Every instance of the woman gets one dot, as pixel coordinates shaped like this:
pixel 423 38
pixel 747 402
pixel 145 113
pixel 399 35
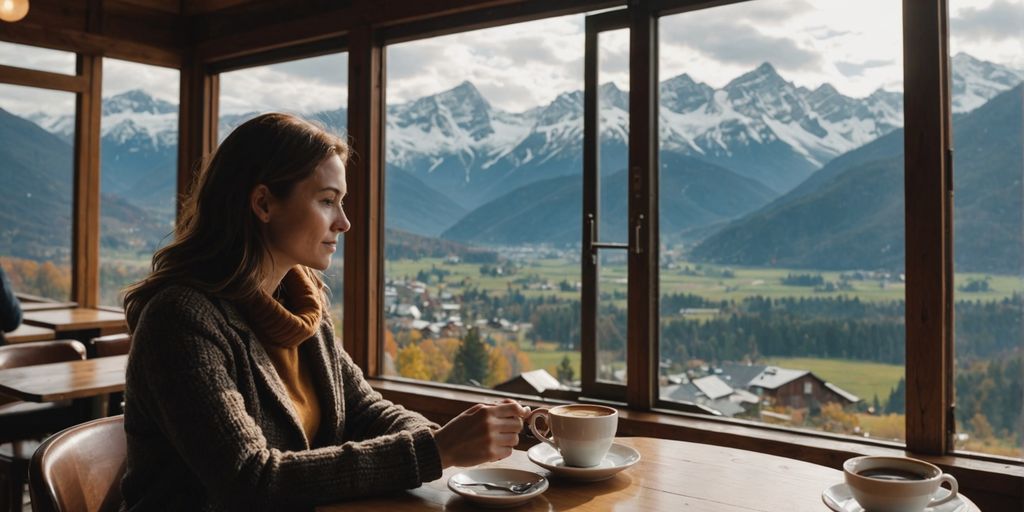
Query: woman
pixel 238 394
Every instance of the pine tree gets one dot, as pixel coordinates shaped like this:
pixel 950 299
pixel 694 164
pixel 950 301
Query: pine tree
pixel 897 398
pixel 565 372
pixel 470 360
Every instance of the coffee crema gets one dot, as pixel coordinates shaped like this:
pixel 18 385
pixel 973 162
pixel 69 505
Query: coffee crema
pixel 581 412
pixel 892 475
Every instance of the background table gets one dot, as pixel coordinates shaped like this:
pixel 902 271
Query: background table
pixel 77 319
pixel 43 306
pixel 92 379
pixel 25 333
pixel 671 476
pixel 82 324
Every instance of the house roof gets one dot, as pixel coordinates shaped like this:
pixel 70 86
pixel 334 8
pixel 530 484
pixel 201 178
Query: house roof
pixel 739 375
pixel 843 393
pixel 538 380
pixel 689 393
pixel 774 377
pixel 713 387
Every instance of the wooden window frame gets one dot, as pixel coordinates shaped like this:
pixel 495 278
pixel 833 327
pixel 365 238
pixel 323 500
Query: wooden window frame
pixel 929 342
pixel 927 169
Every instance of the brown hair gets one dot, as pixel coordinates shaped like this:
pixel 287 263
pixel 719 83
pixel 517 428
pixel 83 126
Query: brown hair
pixel 218 246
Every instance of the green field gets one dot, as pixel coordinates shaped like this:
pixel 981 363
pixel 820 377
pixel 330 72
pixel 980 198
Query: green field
pixel 742 282
pixel 862 378
pixel 550 359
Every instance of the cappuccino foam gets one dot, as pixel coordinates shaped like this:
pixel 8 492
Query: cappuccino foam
pixel 581 412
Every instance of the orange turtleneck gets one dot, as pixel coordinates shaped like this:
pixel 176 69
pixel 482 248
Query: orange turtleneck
pixel 282 327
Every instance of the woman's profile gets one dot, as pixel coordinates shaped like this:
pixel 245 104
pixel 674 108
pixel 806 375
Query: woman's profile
pixel 238 395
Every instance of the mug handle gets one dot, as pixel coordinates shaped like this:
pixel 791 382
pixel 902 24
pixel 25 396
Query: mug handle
pixel 532 422
pixel 953 488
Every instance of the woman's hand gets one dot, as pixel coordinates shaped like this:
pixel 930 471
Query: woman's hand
pixel 482 433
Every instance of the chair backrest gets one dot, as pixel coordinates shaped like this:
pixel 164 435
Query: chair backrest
pixel 38 352
pixel 79 469
pixel 112 345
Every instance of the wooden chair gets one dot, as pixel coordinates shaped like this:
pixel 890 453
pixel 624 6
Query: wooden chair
pixel 111 345
pixel 80 469
pixel 22 422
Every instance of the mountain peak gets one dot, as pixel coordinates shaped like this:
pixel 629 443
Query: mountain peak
pixel 136 101
pixel 465 92
pixel 609 94
pixel 763 76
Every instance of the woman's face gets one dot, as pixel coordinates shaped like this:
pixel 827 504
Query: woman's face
pixel 303 228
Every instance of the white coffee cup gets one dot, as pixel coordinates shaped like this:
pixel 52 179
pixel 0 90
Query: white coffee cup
pixel 582 433
pixel 896 484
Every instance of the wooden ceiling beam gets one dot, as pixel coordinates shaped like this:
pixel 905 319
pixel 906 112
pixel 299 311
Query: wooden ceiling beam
pixel 112 28
pixel 233 33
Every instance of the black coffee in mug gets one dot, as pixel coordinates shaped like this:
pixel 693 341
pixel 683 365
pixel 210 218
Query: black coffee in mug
pixel 892 474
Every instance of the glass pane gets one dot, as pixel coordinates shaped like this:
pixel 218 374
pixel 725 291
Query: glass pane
pixel 36 168
pixel 33 57
pixel 483 200
pixel 139 171
pixel 988 68
pixel 611 328
pixel 781 214
pixel 613 135
pixel 315 89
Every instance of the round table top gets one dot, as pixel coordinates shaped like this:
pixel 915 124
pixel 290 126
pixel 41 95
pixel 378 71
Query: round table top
pixel 671 476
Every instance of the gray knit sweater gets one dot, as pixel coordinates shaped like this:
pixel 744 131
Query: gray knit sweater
pixel 211 427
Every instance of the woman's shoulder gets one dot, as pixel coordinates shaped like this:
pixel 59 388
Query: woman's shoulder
pixel 178 304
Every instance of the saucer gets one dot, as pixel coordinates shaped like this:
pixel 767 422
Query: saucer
pixel 496 498
pixel 839 498
pixel 619 457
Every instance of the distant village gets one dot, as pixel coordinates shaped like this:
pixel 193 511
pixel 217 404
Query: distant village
pixel 732 389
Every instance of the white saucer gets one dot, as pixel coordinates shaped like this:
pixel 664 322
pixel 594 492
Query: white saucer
pixel 839 498
pixel 501 476
pixel 619 457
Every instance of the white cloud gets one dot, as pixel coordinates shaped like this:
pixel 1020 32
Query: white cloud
pixel 988 30
pixel 855 46
pixel 301 87
pixel 808 44
pixel 120 76
pixel 516 67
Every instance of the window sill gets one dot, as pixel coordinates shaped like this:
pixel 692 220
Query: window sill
pixel 992 485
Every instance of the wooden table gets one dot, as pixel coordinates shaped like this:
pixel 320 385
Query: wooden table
pixel 43 306
pixel 62 381
pixel 25 333
pixel 671 476
pixel 92 379
pixel 82 324
pixel 77 320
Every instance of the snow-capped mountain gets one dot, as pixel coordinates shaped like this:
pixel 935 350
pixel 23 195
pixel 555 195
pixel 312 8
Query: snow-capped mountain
pixel 977 81
pixel 131 117
pixel 759 125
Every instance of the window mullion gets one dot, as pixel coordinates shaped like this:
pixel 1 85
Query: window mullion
pixel 929 231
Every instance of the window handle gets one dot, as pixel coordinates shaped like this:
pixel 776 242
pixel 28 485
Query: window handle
pixel 637 246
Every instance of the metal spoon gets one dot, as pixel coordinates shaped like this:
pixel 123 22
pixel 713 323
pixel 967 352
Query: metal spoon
pixel 521 488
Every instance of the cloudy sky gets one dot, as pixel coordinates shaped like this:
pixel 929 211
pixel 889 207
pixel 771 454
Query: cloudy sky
pixel 855 46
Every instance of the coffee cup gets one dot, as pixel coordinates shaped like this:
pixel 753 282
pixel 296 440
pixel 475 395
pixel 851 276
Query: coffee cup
pixel 582 433
pixel 896 484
